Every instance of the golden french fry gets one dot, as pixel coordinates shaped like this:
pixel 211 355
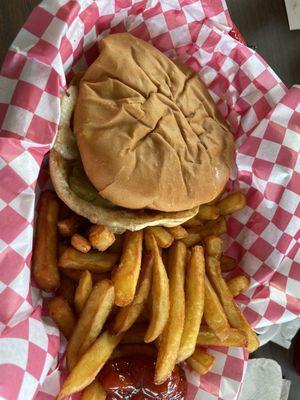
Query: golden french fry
pixel 83 290
pixel 213 246
pixel 163 238
pixel 68 226
pixel 93 392
pixel 66 289
pixel 201 361
pixel 194 303
pixel 127 350
pixel 172 333
pixel 178 232
pixel 214 314
pixel 238 284
pixel 89 365
pixel 100 237
pixel 195 221
pixel 80 243
pixel 135 334
pixel 208 212
pixel 75 275
pixel 127 315
pixel 126 276
pixel 232 203
pixel 62 314
pixel 216 227
pixel 233 313
pixel 94 261
pixel 44 260
pixel 227 263
pixel 160 302
pixel 236 338
pixel 93 312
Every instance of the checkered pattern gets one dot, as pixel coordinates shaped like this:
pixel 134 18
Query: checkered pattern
pixel 59 39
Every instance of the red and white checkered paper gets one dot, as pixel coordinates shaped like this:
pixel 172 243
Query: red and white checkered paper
pixel 60 38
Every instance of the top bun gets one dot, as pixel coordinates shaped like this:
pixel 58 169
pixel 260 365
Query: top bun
pixel 148 132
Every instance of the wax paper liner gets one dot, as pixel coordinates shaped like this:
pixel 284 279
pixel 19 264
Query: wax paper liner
pixel 60 38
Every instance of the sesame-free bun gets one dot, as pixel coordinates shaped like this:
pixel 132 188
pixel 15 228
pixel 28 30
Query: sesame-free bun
pixel 147 130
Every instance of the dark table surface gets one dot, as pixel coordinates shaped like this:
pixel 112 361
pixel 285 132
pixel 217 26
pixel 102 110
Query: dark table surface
pixel 264 24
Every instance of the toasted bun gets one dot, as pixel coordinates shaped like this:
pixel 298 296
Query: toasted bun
pixel 65 155
pixel 148 132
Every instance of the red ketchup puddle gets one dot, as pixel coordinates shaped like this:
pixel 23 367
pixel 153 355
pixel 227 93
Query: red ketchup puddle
pixel 127 378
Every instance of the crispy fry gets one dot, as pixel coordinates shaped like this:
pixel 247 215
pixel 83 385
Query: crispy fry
pixel 83 290
pixel 195 221
pixel 213 247
pixel 100 237
pixel 171 336
pixel 163 238
pixel 208 212
pixel 135 334
pixel 236 338
pixel 127 350
pixel 232 203
pixel 62 314
pixel 214 314
pixel 126 276
pixel 94 261
pixel 68 226
pixel 66 289
pixel 44 261
pixel 201 361
pixel 93 312
pixel 216 227
pixel 238 284
pixel 89 365
pixel 233 313
pixel 75 275
pixel 117 245
pixel 160 302
pixel 178 232
pixel 227 263
pixel 194 303
pixel 80 243
pixel 93 392
pixel 127 316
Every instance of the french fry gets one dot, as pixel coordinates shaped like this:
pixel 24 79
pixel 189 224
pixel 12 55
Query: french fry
pixel 89 365
pixel 195 221
pixel 127 315
pixel 83 290
pixel 208 212
pixel 194 303
pixel 80 243
pixel 95 312
pixel 93 392
pixel 94 261
pixel 233 313
pixel 62 314
pixel 236 338
pixel 135 334
pixel 160 302
pixel 75 275
pixel 216 227
pixel 214 314
pixel 227 263
pixel 127 350
pixel 66 289
pixel 232 203
pixel 178 232
pixel 201 361
pixel 238 284
pixel 100 237
pixel 117 245
pixel 68 226
pixel 172 333
pixel 163 238
pixel 44 261
pixel 126 276
pixel 61 248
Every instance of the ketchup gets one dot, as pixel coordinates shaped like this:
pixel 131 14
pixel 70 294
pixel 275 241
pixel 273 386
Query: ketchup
pixel 127 378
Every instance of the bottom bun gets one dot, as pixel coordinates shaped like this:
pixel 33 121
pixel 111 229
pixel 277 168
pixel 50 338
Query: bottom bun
pixel 118 219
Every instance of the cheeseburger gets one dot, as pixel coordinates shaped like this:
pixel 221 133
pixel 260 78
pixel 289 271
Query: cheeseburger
pixel 140 141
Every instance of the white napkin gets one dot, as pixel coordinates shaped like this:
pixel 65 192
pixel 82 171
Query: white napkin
pixel 293 12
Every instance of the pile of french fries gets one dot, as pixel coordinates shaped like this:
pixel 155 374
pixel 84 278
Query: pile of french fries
pixel 158 292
